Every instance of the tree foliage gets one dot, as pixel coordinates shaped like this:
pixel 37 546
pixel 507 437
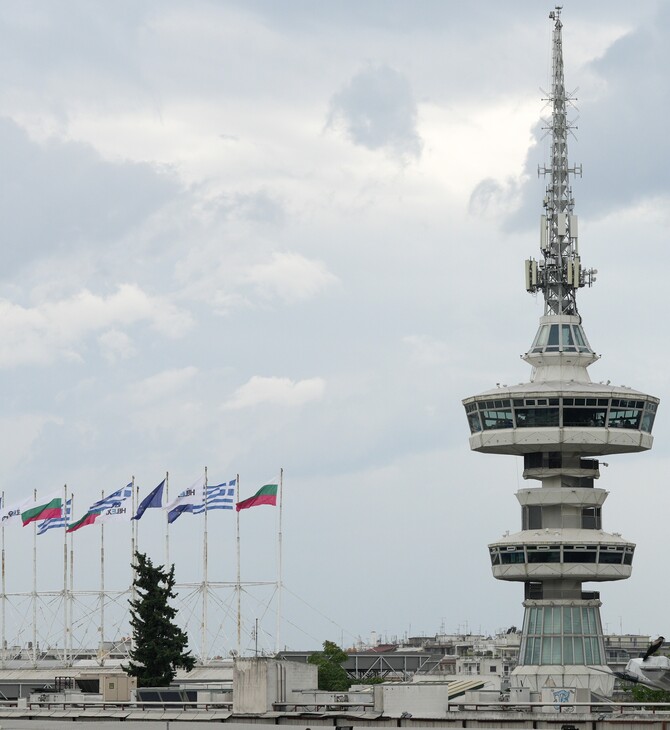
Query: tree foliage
pixel 333 676
pixel 159 645
pixel 641 693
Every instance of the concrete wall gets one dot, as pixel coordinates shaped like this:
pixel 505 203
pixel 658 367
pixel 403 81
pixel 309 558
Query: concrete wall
pixel 420 700
pixel 259 683
pixel 298 677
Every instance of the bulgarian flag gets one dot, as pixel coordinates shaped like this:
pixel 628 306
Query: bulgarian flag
pixel 88 519
pixel 107 508
pixel 45 509
pixel 267 494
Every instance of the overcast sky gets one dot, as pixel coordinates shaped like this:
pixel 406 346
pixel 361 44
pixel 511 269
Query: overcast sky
pixel 251 235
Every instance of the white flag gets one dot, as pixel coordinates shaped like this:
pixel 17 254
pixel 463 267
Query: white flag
pixel 12 515
pixel 189 500
pixel 117 510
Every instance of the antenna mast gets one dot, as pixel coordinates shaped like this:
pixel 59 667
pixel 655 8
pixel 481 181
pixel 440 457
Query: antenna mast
pixel 560 274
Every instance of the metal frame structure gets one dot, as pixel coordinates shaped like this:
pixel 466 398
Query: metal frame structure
pixel 69 623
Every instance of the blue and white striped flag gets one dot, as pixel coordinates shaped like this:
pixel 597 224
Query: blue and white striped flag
pixel 112 500
pixel 52 522
pixel 219 496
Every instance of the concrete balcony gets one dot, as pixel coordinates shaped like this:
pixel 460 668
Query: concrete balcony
pixel 553 554
pixel 591 441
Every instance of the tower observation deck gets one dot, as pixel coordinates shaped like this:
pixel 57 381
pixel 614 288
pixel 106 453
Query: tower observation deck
pixel 560 423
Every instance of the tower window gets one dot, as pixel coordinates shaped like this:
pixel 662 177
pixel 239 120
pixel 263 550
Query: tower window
pixel 542 554
pixel 624 418
pixel 561 635
pixel 473 421
pixel 591 518
pixel 533 592
pixel 513 556
pixel 536 417
pixel 579 554
pixel 585 417
pixel 647 422
pixel 494 419
pixel 610 555
pixel 531 518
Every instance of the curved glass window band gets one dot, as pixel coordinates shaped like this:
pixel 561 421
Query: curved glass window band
pixel 562 635
pixel 569 413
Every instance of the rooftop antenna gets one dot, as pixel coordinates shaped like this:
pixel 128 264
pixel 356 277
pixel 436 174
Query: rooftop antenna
pixel 560 274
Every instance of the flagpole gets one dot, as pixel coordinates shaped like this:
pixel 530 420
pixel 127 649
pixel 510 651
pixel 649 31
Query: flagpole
pixel 133 543
pixel 279 548
pixel 238 586
pixel 134 527
pixel 64 515
pixel 102 589
pixel 4 592
pixel 167 526
pixel 71 578
pixel 205 587
pixel 34 651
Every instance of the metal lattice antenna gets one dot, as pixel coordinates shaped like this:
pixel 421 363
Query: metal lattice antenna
pixel 560 274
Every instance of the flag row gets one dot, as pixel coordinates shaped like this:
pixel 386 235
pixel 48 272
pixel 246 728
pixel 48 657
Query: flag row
pixel 53 511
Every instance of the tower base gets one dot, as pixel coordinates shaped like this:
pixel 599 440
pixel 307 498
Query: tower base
pixel 599 680
pixel 562 645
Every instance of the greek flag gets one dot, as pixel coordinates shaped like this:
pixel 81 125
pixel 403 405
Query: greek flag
pixel 52 522
pixel 112 500
pixel 219 496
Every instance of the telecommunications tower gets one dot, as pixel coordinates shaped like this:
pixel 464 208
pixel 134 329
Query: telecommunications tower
pixel 560 423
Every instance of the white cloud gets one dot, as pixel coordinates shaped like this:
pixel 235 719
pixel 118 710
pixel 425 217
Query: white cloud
pixel 18 434
pixel 290 277
pixel 429 351
pixel 56 330
pixel 116 345
pixel 163 384
pixel 276 391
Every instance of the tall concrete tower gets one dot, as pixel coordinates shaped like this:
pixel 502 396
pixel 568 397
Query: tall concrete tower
pixel 560 423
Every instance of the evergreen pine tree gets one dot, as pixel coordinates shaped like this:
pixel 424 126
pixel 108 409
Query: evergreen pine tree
pixel 159 645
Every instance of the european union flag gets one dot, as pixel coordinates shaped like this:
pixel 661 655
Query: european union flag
pixel 153 499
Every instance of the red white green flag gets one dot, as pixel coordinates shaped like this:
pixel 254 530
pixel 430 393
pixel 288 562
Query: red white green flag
pixel 88 519
pixel 267 494
pixel 45 509
pixel 111 507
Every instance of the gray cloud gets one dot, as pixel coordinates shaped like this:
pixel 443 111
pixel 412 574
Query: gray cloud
pixel 492 198
pixel 626 145
pixel 621 137
pixel 259 207
pixel 377 110
pixel 70 49
pixel 61 195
